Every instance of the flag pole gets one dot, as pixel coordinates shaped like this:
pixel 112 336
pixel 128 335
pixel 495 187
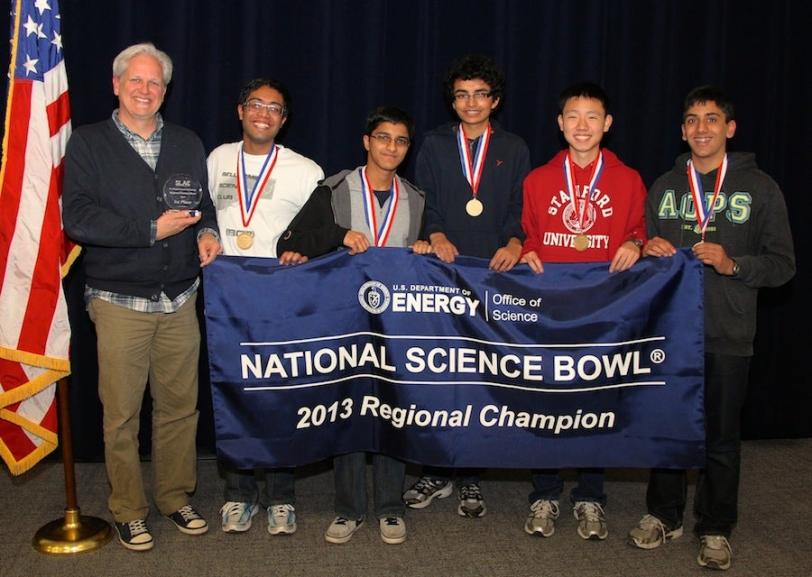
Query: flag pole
pixel 74 533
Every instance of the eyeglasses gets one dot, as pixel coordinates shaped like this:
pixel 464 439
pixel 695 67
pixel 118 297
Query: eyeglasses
pixel 386 139
pixel 256 106
pixel 479 95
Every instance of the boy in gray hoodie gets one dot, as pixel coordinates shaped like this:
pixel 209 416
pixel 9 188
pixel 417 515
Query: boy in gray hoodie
pixel 733 217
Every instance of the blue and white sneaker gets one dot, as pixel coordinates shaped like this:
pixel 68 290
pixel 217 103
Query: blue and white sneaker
pixel 281 519
pixel 237 516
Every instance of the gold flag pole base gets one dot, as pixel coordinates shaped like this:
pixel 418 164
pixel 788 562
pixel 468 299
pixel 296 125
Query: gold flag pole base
pixel 73 534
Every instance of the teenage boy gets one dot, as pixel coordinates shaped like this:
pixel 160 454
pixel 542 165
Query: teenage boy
pixel 257 187
pixel 733 217
pixel 338 215
pixel 584 205
pixel 472 172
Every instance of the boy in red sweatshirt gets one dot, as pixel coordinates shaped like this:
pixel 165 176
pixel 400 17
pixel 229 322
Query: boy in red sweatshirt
pixel 584 205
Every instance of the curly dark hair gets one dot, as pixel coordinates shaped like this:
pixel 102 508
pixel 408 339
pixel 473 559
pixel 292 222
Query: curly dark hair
pixel 473 66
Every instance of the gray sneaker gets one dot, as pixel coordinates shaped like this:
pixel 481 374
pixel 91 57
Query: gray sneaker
pixel 714 552
pixel 341 530
pixel 425 490
pixel 281 520
pixel 393 530
pixel 541 521
pixel 591 520
pixel 651 533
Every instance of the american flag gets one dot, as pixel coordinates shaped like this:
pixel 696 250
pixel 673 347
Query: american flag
pixel 34 253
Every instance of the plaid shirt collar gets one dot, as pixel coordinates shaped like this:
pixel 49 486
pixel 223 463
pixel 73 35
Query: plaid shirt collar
pixel 149 149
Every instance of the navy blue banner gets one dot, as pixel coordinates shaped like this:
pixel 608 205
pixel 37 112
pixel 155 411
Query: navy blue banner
pixel 456 365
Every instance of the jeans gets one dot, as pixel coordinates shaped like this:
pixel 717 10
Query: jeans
pixel 351 485
pixel 717 489
pixel 548 484
pixel 243 486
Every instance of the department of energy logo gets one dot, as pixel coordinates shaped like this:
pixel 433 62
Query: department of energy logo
pixel 374 297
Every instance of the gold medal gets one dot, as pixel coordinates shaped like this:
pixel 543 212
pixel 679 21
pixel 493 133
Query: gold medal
pixel 581 242
pixel 245 239
pixel 474 207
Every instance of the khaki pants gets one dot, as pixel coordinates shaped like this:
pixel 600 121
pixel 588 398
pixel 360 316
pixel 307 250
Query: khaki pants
pixel 134 346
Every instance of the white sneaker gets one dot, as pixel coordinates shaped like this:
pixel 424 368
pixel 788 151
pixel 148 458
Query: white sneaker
pixel 341 530
pixel 281 520
pixel 393 530
pixel 237 516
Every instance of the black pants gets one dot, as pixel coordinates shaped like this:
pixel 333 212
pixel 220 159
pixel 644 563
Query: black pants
pixel 717 491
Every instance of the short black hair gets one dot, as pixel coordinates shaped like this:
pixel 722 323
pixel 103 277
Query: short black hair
pixel 474 66
pixel 391 114
pixel 583 90
pixel 710 93
pixel 257 83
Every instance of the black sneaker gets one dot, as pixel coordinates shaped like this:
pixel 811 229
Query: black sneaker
pixel 135 535
pixel 471 502
pixel 188 521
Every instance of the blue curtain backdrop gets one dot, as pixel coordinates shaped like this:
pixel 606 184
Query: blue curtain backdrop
pixel 341 58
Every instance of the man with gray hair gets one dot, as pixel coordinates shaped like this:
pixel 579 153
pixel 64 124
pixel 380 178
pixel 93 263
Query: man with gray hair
pixel 133 197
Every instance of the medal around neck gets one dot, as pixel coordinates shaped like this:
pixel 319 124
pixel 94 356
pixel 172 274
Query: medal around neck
pixel 474 207
pixel 182 192
pixel 581 242
pixel 245 239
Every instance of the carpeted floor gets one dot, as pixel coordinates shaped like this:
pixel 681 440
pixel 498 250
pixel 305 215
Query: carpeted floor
pixel 770 541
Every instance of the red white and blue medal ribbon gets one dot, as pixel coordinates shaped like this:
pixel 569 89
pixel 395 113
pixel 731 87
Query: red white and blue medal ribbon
pixel 703 209
pixel 250 199
pixel 380 234
pixel 472 167
pixel 589 194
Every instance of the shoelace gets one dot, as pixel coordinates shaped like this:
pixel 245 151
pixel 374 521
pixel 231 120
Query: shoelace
pixel 544 508
pixel 593 511
pixel 392 521
pixel 649 522
pixel 715 542
pixel 424 483
pixel 281 511
pixel 137 527
pixel 236 508
pixel 470 493
pixel 341 521
pixel 188 513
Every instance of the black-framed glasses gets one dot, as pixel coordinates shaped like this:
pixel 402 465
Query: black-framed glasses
pixel 479 95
